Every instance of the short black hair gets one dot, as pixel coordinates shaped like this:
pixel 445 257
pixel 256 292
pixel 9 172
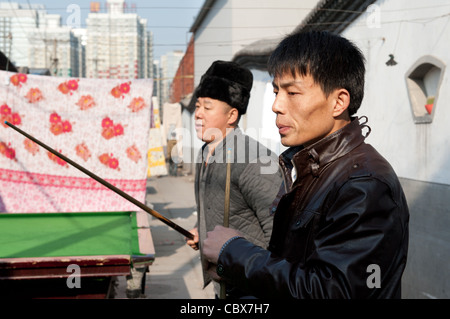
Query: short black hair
pixel 332 61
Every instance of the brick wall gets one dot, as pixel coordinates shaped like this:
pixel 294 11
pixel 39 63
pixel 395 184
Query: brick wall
pixel 183 83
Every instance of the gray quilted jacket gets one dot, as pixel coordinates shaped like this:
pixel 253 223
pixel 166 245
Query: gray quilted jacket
pixel 255 181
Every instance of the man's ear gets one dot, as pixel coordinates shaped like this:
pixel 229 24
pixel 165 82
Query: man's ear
pixel 342 101
pixel 233 117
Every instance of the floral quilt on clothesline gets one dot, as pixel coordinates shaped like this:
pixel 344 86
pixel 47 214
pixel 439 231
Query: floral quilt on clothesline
pixel 101 124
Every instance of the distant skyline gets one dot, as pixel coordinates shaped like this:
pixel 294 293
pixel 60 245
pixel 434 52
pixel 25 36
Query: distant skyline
pixel 168 20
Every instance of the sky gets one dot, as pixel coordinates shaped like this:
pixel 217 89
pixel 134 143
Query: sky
pixel 169 20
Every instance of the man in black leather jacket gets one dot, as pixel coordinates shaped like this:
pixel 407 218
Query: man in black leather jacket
pixel 341 225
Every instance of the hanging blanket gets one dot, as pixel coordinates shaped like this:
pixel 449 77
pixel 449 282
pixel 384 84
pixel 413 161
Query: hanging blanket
pixel 103 125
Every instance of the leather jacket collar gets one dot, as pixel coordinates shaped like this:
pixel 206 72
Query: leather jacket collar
pixel 309 160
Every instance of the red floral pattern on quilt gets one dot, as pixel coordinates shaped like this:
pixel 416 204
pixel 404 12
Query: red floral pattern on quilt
pixel 101 124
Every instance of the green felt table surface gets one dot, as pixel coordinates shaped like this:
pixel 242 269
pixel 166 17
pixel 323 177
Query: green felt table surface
pixel 68 234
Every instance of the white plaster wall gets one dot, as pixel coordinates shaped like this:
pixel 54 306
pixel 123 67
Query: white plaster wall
pixel 233 24
pixel 409 29
pixel 259 121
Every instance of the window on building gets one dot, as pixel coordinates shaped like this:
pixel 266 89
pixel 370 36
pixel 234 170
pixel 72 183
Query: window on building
pixel 423 82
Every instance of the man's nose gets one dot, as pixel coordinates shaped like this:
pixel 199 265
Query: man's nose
pixel 198 113
pixel 277 105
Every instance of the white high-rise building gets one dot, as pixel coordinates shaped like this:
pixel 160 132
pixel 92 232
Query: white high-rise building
pixel 50 46
pixel 169 67
pixel 78 52
pixel 118 44
pixel 115 44
pixel 32 38
pixel 15 25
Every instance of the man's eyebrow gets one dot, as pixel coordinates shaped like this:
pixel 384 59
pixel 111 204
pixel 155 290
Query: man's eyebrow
pixel 287 84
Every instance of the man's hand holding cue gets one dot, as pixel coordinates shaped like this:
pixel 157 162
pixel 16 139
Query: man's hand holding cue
pixel 194 241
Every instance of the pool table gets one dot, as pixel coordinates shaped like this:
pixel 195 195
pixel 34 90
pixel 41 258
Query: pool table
pixel 36 250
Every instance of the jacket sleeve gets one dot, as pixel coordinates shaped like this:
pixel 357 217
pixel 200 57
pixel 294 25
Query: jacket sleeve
pixel 259 186
pixel 361 227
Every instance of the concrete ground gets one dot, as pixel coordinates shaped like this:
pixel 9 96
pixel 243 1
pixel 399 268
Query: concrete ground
pixel 176 271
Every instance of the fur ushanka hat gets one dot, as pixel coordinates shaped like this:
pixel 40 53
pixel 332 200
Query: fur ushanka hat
pixel 228 82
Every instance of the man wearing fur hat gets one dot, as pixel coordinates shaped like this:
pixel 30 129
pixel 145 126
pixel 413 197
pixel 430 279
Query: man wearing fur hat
pixel 222 97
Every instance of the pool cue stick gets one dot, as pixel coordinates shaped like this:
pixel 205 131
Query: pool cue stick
pixel 226 215
pixel 107 184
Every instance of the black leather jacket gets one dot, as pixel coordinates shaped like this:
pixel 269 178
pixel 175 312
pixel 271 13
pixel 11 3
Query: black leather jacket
pixel 340 230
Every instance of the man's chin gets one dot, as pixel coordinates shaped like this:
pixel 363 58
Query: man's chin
pixel 203 138
pixel 199 135
pixel 285 141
